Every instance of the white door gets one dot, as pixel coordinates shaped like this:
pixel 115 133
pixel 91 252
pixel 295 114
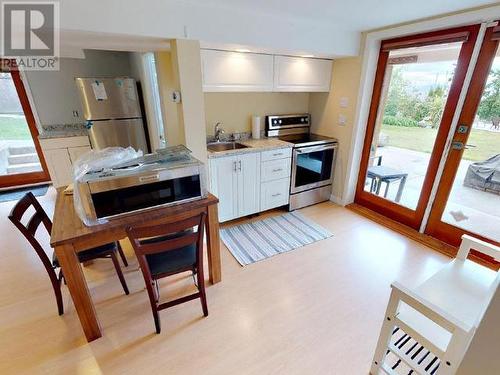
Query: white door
pixel 223 181
pixel 236 71
pixel 302 74
pixel 248 184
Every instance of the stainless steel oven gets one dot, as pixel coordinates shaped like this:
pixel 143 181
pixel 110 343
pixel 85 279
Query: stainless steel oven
pixel 312 167
pixel 313 158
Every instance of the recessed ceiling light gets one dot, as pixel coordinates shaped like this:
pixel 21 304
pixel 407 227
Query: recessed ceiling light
pixel 242 50
pixel 306 55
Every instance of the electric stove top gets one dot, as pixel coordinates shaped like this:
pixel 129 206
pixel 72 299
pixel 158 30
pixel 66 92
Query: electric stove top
pixel 307 139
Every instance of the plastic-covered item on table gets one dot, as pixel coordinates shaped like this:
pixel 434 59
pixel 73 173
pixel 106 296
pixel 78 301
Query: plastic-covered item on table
pixel 98 161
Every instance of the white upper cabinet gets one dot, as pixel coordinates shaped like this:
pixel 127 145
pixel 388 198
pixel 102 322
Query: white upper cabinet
pixel 244 72
pixel 302 74
pixel 235 71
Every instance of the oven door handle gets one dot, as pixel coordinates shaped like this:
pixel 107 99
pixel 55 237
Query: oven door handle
pixel 303 150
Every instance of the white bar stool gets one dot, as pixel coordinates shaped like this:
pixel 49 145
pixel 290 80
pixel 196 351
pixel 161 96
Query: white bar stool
pixel 427 330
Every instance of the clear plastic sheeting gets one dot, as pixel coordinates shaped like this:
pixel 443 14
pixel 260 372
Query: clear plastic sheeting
pixel 98 161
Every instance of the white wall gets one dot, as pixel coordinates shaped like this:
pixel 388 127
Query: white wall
pixel 54 92
pixel 209 22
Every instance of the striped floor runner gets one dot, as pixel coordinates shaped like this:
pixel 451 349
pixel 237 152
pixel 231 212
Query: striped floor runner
pixel 251 242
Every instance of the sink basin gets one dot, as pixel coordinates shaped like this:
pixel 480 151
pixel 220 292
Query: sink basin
pixel 224 146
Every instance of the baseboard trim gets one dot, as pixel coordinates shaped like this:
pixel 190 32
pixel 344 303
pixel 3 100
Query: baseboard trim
pixel 415 235
pixel 336 200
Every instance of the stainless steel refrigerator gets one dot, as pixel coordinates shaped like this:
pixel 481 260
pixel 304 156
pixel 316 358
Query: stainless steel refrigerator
pixel 112 112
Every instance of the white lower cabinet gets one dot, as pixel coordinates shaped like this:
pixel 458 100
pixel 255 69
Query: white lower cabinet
pixel 59 166
pixel 274 194
pixel 249 183
pixel 235 180
pixel 60 154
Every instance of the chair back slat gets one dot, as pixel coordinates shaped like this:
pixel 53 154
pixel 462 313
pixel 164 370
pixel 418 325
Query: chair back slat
pixel 145 231
pixel 168 244
pixel 167 237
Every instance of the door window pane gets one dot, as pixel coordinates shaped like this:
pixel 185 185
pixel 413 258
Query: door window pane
pixel 414 93
pixel 17 150
pixel 474 202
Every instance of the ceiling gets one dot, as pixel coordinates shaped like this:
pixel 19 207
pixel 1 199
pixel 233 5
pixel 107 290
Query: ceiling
pixel 324 28
pixel 355 15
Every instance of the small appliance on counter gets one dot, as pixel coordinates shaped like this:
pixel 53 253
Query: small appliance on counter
pixel 112 112
pixel 168 177
pixel 313 158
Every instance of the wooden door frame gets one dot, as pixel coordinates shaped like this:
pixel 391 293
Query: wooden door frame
pixel 397 212
pixel 435 227
pixel 19 179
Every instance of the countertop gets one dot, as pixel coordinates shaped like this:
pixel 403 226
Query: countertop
pixel 253 145
pixel 63 131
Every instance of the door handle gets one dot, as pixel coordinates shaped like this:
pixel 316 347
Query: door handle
pixel 234 166
pixel 239 165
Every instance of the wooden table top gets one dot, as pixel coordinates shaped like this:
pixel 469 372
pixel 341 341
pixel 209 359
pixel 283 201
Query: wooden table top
pixel 67 226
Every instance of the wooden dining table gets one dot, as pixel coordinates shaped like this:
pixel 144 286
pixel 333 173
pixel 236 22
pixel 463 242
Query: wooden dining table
pixel 70 236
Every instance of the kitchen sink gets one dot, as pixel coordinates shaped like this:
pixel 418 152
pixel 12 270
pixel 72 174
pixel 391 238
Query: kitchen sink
pixel 224 146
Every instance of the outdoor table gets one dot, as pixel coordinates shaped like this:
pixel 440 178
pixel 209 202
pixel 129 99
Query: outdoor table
pixel 379 174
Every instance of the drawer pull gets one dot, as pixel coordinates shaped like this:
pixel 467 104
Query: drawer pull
pixel 276 195
pixel 278 154
pixel 277 170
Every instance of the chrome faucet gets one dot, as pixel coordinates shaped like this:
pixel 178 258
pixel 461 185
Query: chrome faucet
pixel 218 131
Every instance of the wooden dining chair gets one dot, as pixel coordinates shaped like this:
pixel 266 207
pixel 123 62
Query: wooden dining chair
pixel 168 249
pixel 29 231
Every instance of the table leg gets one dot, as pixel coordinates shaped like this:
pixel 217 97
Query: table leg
pixel 79 291
pixel 379 184
pixel 213 244
pixel 386 189
pixel 400 189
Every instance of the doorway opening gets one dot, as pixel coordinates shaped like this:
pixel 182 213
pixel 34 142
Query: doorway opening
pixel 21 160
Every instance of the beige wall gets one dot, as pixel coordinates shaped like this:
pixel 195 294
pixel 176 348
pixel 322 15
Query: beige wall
pixel 168 82
pixel 180 70
pixel 187 61
pixel 325 111
pixel 235 110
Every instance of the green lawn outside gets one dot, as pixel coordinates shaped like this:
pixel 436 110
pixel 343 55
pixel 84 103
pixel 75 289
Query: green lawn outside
pixel 13 128
pixel 422 139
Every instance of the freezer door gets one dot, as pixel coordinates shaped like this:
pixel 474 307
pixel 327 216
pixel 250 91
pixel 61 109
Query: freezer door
pixel 108 98
pixel 121 133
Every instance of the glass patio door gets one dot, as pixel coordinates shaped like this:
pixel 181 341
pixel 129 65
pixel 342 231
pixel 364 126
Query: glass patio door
pixel 21 160
pixel 416 90
pixel 468 197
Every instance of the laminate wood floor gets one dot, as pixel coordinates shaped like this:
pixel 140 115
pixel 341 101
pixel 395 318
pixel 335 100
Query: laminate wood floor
pixel 314 310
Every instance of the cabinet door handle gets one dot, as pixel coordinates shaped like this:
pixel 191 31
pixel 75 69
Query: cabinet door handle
pixel 234 164
pixel 276 195
pixel 278 154
pixel 277 170
pixel 239 165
